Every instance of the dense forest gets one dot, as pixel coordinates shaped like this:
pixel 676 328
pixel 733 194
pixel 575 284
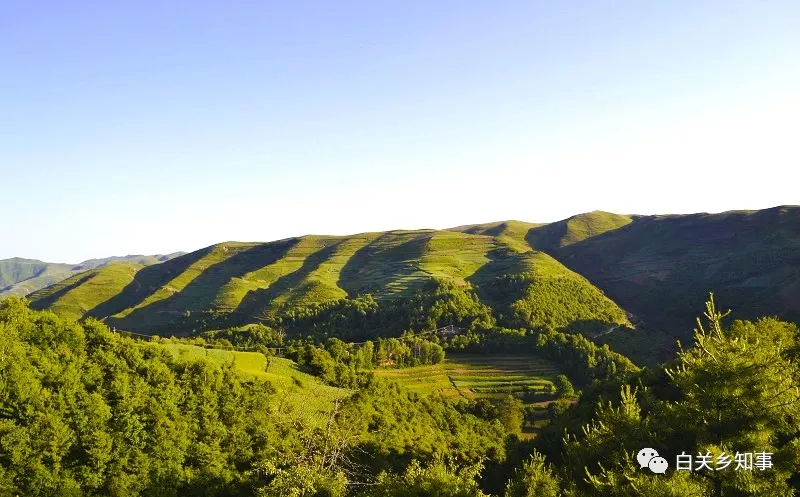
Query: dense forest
pixel 86 411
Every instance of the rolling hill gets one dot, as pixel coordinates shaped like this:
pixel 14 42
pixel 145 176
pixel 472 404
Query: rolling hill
pixel 24 276
pixel 243 281
pixel 591 272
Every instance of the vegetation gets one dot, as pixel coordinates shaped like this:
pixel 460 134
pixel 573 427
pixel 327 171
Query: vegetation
pixel 355 288
pixel 661 268
pixel 553 236
pixel 488 379
pixel 23 276
pixel 310 367
pixel 84 411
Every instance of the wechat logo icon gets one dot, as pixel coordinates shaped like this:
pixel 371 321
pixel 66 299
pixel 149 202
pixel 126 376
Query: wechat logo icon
pixel 649 458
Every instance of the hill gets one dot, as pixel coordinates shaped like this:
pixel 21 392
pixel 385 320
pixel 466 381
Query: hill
pixel 238 282
pixel 661 267
pixel 512 233
pixel 550 237
pixel 591 273
pixel 24 276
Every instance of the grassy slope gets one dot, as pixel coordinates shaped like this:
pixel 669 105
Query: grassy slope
pixel 78 294
pixel 251 279
pixel 305 394
pixel 476 376
pixel 24 276
pixel 512 233
pixel 15 271
pixel 553 236
pixel 548 295
pixel 483 377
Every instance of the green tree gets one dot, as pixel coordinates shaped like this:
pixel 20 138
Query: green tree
pixel 438 479
pixel 534 479
pixel 511 413
pixel 564 388
pixel 735 390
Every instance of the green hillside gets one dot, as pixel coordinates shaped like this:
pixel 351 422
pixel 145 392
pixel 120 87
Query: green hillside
pixel 24 276
pixel 492 377
pixel 242 282
pixel 534 289
pixel 585 273
pixel 306 396
pixel 513 233
pixel 550 237
pixel 17 271
pixel 75 296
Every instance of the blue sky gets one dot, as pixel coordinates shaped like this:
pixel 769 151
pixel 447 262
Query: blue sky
pixel 150 127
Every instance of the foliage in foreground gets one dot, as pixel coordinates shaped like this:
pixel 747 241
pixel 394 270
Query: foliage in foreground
pixel 86 412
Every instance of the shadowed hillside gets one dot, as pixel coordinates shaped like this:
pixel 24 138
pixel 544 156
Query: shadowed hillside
pixel 660 267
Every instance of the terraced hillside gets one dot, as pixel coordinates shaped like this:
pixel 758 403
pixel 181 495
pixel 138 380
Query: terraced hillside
pixel 479 376
pixel 584 272
pixel 24 276
pixel 251 280
pixel 528 378
pixel 513 233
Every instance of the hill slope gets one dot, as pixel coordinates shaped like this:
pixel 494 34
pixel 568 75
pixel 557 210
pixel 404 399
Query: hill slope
pixel 662 267
pixel 24 276
pixel 584 273
pixel 244 281
pixel 550 237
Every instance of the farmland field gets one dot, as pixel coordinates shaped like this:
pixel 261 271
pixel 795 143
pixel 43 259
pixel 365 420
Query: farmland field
pixel 526 377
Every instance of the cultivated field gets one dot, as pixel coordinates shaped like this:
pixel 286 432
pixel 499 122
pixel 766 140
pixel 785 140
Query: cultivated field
pixel 480 376
pixel 526 377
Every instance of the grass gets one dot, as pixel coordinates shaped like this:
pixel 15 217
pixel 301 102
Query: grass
pixel 575 229
pixel 203 265
pixel 78 294
pixel 513 234
pixel 300 392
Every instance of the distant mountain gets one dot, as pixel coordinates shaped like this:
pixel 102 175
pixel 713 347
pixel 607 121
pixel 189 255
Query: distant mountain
pixel 24 276
pixel 595 268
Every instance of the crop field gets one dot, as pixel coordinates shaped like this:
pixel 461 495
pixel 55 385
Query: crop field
pixel 527 377
pixel 301 393
pixel 478 376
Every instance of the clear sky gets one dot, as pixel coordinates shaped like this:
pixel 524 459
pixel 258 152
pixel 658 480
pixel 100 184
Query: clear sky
pixel 156 126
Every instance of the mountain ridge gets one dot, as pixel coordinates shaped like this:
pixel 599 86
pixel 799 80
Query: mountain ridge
pixel 629 266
